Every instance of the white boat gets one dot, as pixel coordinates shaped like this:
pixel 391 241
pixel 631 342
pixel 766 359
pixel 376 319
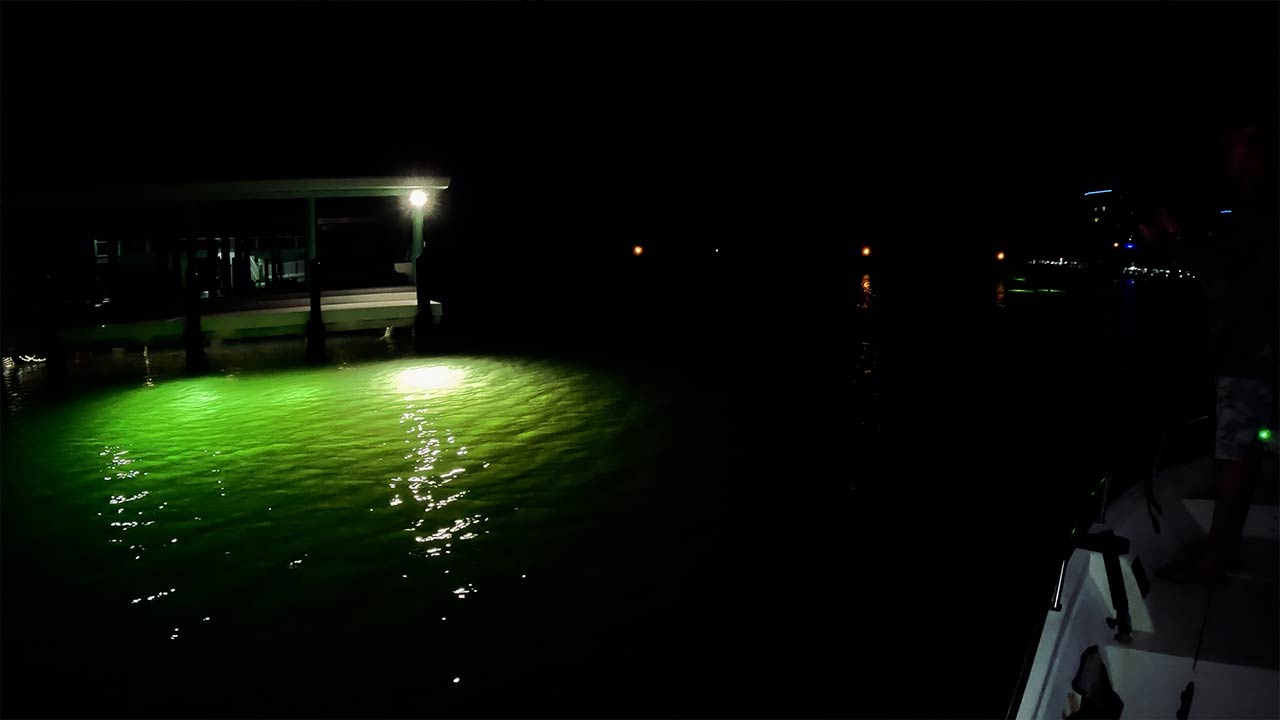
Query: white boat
pixel 1171 650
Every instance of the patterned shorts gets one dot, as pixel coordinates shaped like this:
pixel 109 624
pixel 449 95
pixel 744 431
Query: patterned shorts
pixel 1244 408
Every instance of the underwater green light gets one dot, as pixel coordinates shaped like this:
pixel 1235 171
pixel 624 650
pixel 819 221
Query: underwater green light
pixel 1264 434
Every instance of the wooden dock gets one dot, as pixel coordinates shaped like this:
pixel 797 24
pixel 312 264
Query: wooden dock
pixel 342 310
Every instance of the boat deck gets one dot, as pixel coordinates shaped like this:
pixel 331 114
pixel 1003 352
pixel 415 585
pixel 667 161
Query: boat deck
pixel 1223 638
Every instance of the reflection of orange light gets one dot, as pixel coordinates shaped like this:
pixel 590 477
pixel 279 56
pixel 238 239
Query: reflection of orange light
pixel 866 250
pixel 637 250
pixel 1000 255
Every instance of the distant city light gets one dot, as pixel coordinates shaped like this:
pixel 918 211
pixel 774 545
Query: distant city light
pixel 1060 261
pixel 1165 272
pixel 638 250
pixel 1264 434
pixel 1115 244
pixel 1097 192
pixel 866 250
pixel 1224 212
pixel 1000 255
pixel 417 198
pixel 1128 246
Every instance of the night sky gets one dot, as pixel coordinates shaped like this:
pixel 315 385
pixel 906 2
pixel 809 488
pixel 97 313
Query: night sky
pixel 573 131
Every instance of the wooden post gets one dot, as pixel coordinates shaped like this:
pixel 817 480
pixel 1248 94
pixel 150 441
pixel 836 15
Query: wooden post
pixel 192 334
pixel 416 250
pixel 224 267
pixel 422 320
pixel 315 321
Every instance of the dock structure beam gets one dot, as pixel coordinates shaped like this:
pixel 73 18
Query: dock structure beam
pixel 422 319
pixel 315 321
pixel 416 252
pixel 192 334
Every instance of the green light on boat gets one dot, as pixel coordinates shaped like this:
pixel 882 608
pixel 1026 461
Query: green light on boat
pixel 1264 434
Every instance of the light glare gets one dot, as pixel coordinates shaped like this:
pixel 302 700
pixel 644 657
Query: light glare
pixel 417 198
pixel 423 379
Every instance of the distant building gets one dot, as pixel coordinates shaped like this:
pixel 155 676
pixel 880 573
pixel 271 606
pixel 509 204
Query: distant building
pixel 1108 225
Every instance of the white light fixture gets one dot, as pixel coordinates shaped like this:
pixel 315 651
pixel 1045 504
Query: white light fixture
pixel 417 198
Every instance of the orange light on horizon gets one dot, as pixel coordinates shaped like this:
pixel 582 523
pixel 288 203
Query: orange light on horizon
pixel 866 250
pixel 1000 255
pixel 638 250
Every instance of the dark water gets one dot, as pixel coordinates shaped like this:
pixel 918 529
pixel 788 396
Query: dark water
pixel 860 523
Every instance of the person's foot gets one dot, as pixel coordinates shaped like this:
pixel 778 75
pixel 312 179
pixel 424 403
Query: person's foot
pixel 1200 568
pixel 1230 558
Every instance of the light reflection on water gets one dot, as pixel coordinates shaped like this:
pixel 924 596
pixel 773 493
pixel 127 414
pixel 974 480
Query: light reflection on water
pixel 864 286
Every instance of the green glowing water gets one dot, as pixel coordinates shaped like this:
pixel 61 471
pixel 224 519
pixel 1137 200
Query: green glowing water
pixel 212 542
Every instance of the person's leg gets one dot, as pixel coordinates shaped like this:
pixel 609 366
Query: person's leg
pixel 1241 410
pixel 1236 482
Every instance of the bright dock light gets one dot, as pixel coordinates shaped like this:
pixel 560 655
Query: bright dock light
pixel 417 198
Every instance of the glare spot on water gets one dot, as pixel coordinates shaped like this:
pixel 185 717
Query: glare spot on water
pixel 427 379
